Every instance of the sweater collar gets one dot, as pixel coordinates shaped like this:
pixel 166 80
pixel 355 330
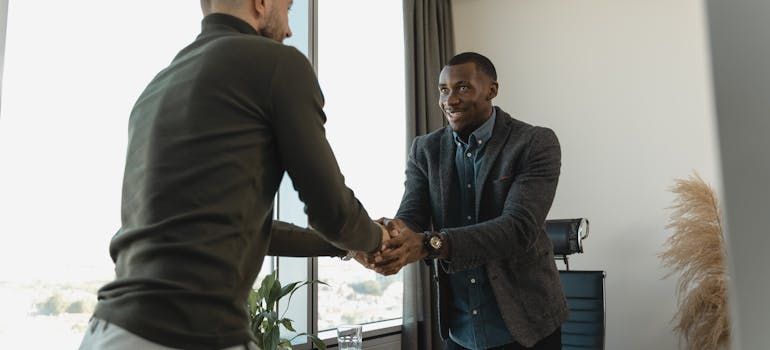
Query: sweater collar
pixel 221 19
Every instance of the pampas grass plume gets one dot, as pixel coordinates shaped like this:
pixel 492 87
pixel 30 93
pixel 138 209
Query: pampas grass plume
pixel 696 250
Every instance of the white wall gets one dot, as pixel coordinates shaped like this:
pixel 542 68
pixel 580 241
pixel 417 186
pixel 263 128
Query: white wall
pixel 739 33
pixel 626 86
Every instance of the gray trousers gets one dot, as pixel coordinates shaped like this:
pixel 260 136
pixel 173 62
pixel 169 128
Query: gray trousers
pixel 104 335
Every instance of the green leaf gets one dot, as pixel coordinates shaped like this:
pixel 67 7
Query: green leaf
pixel 290 288
pixel 256 323
pixel 287 324
pixel 266 290
pixel 317 342
pixel 274 295
pixel 271 338
pixel 294 289
pixel 263 314
pixel 285 344
pixel 252 302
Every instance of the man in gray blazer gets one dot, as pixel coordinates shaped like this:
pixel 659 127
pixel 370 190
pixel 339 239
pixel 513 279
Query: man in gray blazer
pixel 475 201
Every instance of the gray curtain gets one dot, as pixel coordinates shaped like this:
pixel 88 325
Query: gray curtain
pixel 429 41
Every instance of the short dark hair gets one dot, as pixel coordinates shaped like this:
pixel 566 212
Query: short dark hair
pixel 482 63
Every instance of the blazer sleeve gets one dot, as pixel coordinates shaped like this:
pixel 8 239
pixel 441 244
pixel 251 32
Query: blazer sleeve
pixel 415 208
pixel 298 119
pixel 291 240
pixel 519 227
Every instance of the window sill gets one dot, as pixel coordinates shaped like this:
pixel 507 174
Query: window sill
pixel 371 331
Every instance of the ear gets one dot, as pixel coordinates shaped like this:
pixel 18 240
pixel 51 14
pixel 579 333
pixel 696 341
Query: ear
pixel 492 93
pixel 260 7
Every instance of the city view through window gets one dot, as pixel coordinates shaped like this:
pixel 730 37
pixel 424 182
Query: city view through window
pixel 361 71
pixel 71 75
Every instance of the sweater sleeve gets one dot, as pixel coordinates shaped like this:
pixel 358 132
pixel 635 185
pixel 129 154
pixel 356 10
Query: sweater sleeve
pixel 298 125
pixel 292 240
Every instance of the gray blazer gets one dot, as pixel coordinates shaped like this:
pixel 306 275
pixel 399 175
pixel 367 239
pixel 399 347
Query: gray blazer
pixel 516 185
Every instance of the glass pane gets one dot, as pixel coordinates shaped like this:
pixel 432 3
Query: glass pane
pixel 62 148
pixel 361 71
pixel 72 73
pixel 289 207
pixel 299 22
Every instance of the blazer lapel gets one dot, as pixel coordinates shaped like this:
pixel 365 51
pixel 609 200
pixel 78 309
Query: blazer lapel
pixel 446 172
pixel 499 136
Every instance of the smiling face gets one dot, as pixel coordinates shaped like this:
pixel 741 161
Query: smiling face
pixel 465 97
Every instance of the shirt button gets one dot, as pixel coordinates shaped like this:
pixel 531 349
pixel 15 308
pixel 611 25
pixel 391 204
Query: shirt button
pixel 473 280
pixel 469 154
pixel 469 185
pixel 469 217
pixel 479 142
pixel 475 312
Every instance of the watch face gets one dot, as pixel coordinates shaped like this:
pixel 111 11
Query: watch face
pixel 435 242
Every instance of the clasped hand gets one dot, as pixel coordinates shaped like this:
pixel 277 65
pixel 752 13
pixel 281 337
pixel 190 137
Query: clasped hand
pixel 400 246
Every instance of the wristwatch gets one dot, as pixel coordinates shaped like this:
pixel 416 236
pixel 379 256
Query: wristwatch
pixel 433 242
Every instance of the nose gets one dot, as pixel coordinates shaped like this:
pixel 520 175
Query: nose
pixel 288 33
pixel 452 99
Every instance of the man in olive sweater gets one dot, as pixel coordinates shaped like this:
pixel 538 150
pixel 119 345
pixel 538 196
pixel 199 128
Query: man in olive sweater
pixel 209 141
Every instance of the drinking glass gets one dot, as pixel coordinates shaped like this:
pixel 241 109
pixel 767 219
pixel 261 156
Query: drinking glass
pixel 349 337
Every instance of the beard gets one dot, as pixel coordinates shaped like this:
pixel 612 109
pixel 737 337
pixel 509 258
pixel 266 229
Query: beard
pixel 273 29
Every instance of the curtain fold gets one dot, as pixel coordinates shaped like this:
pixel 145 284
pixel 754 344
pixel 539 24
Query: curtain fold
pixel 429 44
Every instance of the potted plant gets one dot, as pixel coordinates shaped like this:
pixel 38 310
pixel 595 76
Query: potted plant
pixel 262 307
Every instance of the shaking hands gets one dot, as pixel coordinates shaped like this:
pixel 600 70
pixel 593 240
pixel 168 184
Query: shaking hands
pixel 400 246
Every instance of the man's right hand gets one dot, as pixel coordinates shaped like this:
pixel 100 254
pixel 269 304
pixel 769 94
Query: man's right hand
pixel 394 226
pixel 367 259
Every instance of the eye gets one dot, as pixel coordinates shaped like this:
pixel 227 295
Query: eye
pixel 443 90
pixel 463 88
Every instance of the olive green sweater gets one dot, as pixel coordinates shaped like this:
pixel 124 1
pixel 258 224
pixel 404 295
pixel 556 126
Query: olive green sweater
pixel 209 141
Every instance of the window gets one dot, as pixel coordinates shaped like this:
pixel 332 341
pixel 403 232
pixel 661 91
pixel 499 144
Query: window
pixel 360 64
pixel 71 75
pixel 361 71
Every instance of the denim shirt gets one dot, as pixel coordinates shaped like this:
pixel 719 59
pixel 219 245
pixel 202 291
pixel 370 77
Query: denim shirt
pixel 476 322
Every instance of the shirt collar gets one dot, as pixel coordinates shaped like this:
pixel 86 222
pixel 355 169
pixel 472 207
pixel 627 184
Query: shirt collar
pixel 482 134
